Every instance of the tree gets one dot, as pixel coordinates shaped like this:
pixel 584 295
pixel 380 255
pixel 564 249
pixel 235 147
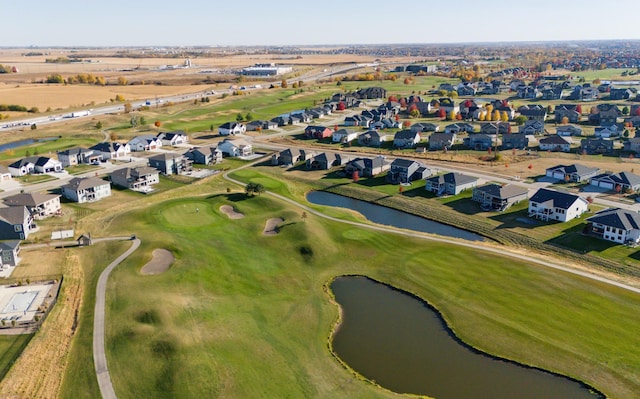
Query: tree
pixel 157 123
pixel 284 84
pixel 119 98
pixel 406 124
pixel 451 116
pixel 250 189
pixel 248 117
pixel 143 121
pixel 520 120
pixel 341 106
pixel 579 109
pixel 122 81
pixel 99 125
pixel 355 176
pixel 393 99
pixel 34 126
pixel 458 116
pixel 625 110
pixel 239 117
pixel 127 108
pixel 564 120
pixel 504 117
pixel 259 189
pixel 113 136
pixel 442 113
pixel 407 81
pixel 303 216
pixel 134 121
pixel 496 115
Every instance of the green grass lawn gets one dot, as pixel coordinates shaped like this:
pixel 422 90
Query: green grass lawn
pixel 245 315
pixel 33 179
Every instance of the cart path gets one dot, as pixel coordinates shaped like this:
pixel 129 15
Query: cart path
pixel 99 356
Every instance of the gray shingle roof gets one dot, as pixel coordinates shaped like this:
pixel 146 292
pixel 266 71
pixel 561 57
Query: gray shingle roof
pixel 554 198
pixel 618 218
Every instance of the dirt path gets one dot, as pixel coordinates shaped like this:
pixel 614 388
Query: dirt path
pixel 39 370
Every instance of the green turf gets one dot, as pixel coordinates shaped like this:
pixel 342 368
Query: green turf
pixel 244 315
pixel 11 347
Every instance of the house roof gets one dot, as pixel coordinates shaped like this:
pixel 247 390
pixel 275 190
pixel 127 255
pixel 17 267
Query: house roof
pixel 29 199
pixel 82 183
pixel 14 214
pixel 74 151
pixel 555 139
pixel 454 178
pixel 127 173
pixel 171 135
pixel 441 137
pixel 578 169
pixel 112 146
pixel 406 135
pixel 618 218
pixel 165 156
pixel 555 199
pixel 9 245
pixel 503 191
pixel 402 163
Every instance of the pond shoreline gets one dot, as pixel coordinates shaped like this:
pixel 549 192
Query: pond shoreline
pixel 447 328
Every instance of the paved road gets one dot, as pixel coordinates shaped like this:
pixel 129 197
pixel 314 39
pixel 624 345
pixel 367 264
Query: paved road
pixel 99 357
pixel 468 244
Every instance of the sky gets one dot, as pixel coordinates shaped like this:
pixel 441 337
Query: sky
pixel 44 23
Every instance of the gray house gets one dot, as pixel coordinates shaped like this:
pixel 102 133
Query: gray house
pixel 441 141
pixel 450 183
pixel 373 138
pixel 597 146
pixel 574 173
pixel 16 223
pixel 480 142
pixel 622 181
pixel 367 167
pixel 406 170
pixel 140 178
pixel 570 111
pixel 204 155
pixel 170 163
pixel 499 197
pixel 406 139
pixel 9 253
pixel 515 140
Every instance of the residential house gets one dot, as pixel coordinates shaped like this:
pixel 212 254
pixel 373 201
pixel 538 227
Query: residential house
pixel 632 145
pixel 633 120
pixel 173 138
pixel 597 146
pixel 450 183
pixel 584 93
pixel 344 136
pixel 5 174
pixel 16 223
pixel 495 128
pixel 499 197
pixel 146 142
pixel 112 150
pixel 552 93
pixel 204 155
pixel 9 253
pixel 619 182
pixel 528 92
pixel 423 127
pixel 424 107
pixel 548 204
pixel 231 129
pixel 235 147
pixel 606 132
pixel 617 225
pixel 367 167
pixel 326 160
pixel 533 112
pixel 604 115
pixel 620 94
pixel 448 105
pixel 480 142
pixel 571 111
pixel 575 173
pixel 404 171
pixel 35 164
pixel 171 163
pixel 568 130
pixel 303 117
pixel 458 128
pixel 373 138
pixel 554 144
pixel 406 139
pixel 515 140
pixel 41 206
pixel 532 127
pixel 371 93
pixel 466 90
pixel 86 189
pixel 287 157
pixel 441 141
pixel 140 178
pixel 317 132
pixel 78 155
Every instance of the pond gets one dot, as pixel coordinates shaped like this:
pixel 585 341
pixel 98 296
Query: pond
pixel 391 217
pixel 398 341
pixel 21 143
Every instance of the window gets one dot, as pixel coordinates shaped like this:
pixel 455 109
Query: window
pixel 17 227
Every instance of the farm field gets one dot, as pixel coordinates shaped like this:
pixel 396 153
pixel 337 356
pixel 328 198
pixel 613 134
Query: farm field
pixel 224 321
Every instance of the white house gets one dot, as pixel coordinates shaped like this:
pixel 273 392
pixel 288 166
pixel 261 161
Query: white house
pixel 548 204
pixel 5 174
pixel 86 189
pixel 231 129
pixel 35 164
pixel 78 155
pixel 173 138
pixel 555 143
pixel 112 150
pixel 343 136
pixel 235 147
pixel 617 225
pixel 146 142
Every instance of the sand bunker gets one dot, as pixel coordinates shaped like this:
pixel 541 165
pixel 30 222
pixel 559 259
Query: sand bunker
pixel 230 212
pixel 271 227
pixel 159 263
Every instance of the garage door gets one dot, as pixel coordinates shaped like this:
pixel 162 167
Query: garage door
pixel 607 185
pixel 558 175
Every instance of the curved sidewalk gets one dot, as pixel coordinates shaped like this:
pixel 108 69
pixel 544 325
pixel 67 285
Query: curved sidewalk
pixel 99 357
